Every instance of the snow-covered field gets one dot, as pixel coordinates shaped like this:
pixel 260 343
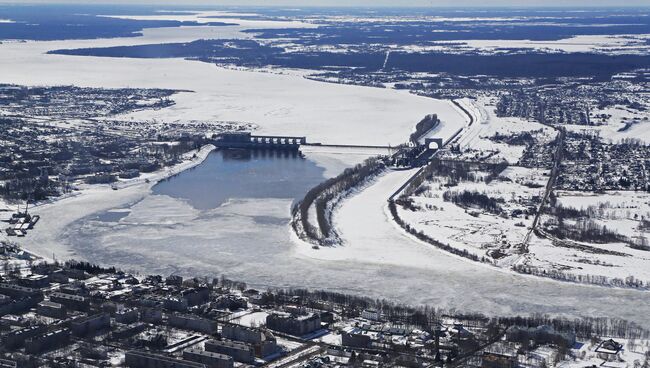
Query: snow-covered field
pixel 277 103
pixel 622 212
pixel 450 224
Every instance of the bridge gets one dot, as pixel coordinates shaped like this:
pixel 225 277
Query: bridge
pixel 247 140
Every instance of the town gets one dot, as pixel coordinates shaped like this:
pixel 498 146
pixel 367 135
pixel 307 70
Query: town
pixel 79 314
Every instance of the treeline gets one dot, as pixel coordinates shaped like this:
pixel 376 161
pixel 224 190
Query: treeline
pixel 586 230
pixel 91 268
pixel 473 199
pixel 324 197
pixel 32 188
pixel 427 239
pixel 427 317
pixel 582 327
pixel 429 122
pixel 628 282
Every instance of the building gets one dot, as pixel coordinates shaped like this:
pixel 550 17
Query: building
pixel 6 363
pixel 51 309
pixel 355 337
pixel 194 323
pixel 18 305
pixel 87 325
pixel 494 360
pixel 18 291
pixel 196 296
pixel 263 342
pixel 174 280
pixel 125 331
pixel 297 325
pixel 47 341
pixel 371 314
pixel 151 315
pixel 141 359
pixel 239 351
pixel 34 281
pixel 74 302
pixel 126 316
pixel 212 360
pixel 17 338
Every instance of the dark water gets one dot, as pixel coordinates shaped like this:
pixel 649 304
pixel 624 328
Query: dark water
pixel 233 174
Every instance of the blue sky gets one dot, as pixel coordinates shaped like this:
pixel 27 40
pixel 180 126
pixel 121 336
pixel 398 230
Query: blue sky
pixel 421 3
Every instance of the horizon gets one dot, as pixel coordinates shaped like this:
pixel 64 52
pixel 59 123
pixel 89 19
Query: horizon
pixel 387 4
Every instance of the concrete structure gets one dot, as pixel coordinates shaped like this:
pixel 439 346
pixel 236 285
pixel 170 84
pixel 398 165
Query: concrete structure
pixel 371 314
pixel 355 338
pixel 141 359
pixel 126 331
pixel 126 316
pixel 6 363
pixel 74 302
pixel 34 281
pixel 246 140
pixel 151 315
pixel 196 296
pixel 194 323
pixel 297 325
pixel 239 351
pixel 263 342
pixel 47 341
pixel 212 360
pixel 51 309
pixel 88 325
pixel 17 290
pixel 16 339
pixel 433 143
pixel 174 280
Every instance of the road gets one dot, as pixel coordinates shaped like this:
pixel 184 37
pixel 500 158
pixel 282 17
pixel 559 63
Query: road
pixel 549 186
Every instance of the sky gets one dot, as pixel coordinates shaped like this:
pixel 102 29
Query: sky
pixel 370 3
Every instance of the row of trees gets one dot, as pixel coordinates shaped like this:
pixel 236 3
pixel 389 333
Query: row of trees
pixel 429 122
pixel 586 230
pixel 325 196
pixel 628 282
pixel 428 317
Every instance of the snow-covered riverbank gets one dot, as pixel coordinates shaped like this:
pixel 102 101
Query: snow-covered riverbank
pixel 60 213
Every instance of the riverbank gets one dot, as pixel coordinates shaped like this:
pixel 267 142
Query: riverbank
pixel 59 213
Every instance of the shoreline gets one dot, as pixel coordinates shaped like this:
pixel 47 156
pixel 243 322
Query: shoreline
pixel 90 199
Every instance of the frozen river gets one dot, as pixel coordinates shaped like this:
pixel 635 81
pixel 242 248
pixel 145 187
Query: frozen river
pixel 230 216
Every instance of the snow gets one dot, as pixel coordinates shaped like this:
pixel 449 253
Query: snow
pixel 165 235
pixel 65 211
pixel 279 104
pixel 610 44
pixel 453 225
